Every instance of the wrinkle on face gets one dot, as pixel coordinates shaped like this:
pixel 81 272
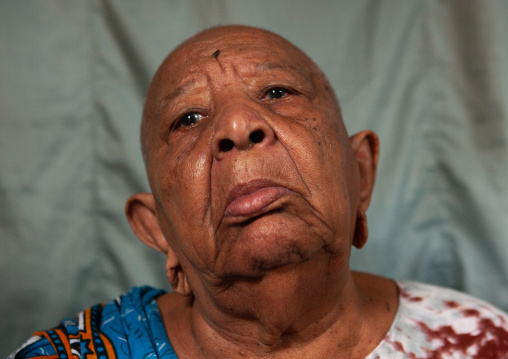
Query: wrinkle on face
pixel 225 75
pixel 215 55
pixel 297 72
pixel 209 38
pixel 250 265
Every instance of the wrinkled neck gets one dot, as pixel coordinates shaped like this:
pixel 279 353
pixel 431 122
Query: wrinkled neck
pixel 279 314
pixel 351 328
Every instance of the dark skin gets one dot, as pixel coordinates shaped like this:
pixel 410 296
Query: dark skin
pixel 257 196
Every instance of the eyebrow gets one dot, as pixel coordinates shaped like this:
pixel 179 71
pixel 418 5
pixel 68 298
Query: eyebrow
pixel 179 91
pixel 263 66
pixel 294 70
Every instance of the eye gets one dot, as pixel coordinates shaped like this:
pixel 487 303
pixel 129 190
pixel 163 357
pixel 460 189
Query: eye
pixel 276 93
pixel 188 119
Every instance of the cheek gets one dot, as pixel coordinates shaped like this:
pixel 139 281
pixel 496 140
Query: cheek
pixel 316 148
pixel 318 153
pixel 185 199
pixel 184 185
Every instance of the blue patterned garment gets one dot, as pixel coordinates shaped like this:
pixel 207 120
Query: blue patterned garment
pixel 128 327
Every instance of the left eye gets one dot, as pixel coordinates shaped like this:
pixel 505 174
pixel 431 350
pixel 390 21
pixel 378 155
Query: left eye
pixel 188 119
pixel 276 93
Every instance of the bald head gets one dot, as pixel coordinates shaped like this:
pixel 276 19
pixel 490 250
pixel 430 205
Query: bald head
pixel 249 162
pixel 215 43
pixel 258 193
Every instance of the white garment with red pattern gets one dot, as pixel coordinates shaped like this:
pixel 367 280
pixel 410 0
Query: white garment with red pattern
pixel 434 322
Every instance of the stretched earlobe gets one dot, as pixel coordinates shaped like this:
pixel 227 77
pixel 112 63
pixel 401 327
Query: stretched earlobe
pixel 176 275
pixel 141 213
pixel 365 146
pixel 361 230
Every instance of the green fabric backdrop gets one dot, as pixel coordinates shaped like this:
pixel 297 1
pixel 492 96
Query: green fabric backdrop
pixel 430 77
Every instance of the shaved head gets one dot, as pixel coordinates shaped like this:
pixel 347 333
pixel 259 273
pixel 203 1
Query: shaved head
pixel 182 54
pixel 251 170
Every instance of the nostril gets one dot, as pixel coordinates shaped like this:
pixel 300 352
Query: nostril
pixel 226 145
pixel 257 136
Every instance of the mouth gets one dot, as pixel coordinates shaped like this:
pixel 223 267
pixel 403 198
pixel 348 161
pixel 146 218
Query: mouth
pixel 253 198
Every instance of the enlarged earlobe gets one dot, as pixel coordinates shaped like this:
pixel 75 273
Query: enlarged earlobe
pixel 365 146
pixel 361 230
pixel 140 211
pixel 176 275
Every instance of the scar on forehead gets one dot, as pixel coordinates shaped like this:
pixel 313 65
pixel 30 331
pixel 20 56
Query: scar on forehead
pixel 215 55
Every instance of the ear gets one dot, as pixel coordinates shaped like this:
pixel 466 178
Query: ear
pixel 361 230
pixel 365 146
pixel 140 212
pixel 176 275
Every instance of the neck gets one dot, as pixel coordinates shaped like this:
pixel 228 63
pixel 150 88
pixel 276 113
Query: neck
pixel 351 328
pixel 285 314
pixel 282 321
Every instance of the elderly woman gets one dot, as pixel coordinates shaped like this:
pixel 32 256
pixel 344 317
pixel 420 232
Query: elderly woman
pixel 257 196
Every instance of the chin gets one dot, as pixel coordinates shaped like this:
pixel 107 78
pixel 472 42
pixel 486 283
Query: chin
pixel 267 244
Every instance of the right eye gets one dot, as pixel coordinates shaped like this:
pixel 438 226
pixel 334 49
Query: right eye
pixel 188 119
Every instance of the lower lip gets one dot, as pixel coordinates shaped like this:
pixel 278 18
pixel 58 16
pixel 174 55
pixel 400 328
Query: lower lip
pixel 254 203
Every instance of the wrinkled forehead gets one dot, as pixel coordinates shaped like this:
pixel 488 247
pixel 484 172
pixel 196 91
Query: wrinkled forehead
pixel 259 53
pixel 252 48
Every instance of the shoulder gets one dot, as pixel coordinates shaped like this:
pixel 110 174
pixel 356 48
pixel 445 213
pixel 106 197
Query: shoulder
pixel 442 322
pixel 100 329
pixel 433 304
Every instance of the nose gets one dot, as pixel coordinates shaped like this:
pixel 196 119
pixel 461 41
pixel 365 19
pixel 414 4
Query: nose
pixel 240 127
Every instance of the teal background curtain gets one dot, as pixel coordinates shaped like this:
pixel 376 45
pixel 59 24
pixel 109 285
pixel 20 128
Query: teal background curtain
pixel 430 77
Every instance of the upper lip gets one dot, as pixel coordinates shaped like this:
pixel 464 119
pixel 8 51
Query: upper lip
pixel 247 188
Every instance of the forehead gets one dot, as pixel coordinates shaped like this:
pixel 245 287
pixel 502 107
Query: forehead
pixel 246 51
